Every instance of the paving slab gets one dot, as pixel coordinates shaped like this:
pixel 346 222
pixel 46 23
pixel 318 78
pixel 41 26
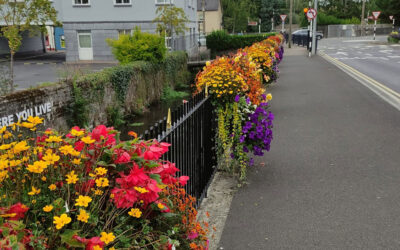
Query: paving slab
pixel 332 177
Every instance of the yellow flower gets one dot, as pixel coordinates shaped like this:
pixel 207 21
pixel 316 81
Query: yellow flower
pixel 51 158
pixel 160 206
pixel 33 201
pixel 208 63
pixel 100 171
pixel 20 146
pixel 76 132
pixel 107 237
pixel 48 208
pixel 52 187
pixel 54 138
pixel 97 247
pixel 135 212
pixel 37 167
pixel 34 191
pixel 269 97
pixel 83 201
pixel 61 221
pixel 102 182
pixel 72 178
pixel 87 140
pixel 111 248
pixel 141 190
pixel 43 178
pixel 68 149
pixel 35 120
pixel 83 216
pixel 76 161
pixel 98 192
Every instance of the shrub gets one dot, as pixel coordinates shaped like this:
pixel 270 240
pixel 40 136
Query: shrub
pixel 138 47
pixel 221 41
pixel 394 37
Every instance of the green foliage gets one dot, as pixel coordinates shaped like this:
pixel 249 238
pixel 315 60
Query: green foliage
pixel 4 82
pixel 394 37
pixel 78 111
pixel 138 47
pixel 115 116
pixel 221 41
pixel 236 14
pixel 171 20
pixel 269 9
pixel 324 19
pixel 175 66
pixel 169 94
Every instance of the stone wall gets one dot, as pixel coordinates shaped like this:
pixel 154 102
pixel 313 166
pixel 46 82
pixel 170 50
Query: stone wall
pixel 48 102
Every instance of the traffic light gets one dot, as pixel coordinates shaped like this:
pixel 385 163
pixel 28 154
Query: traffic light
pixel 305 10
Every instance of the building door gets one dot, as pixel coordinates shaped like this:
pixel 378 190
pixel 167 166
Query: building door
pixel 85 45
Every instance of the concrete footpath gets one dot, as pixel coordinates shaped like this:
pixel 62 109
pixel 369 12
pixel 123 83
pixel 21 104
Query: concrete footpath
pixel 332 177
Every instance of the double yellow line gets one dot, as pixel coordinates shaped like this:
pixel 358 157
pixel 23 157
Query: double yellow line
pixel 360 75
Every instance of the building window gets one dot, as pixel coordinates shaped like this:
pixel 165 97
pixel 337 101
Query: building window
pixel 164 2
pixel 124 32
pixel 81 2
pixel 122 2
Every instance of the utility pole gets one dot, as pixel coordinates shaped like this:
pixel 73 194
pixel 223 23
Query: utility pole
pixel 314 35
pixel 290 23
pixel 363 19
pixel 273 21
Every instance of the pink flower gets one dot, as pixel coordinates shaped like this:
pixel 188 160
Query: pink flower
pixel 192 235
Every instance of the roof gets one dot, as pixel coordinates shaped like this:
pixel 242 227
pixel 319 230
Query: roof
pixel 211 5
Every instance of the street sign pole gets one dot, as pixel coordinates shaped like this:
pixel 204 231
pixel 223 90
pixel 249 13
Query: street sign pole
pixel 283 26
pixel 314 37
pixel 375 14
pixel 309 32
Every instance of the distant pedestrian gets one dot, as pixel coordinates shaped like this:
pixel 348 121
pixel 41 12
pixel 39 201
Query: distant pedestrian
pixel 286 35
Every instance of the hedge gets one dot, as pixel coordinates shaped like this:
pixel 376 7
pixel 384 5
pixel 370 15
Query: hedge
pixel 221 41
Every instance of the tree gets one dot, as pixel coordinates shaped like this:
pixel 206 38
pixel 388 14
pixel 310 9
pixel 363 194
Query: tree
pixel 171 20
pixel 270 9
pixel 18 16
pixel 237 13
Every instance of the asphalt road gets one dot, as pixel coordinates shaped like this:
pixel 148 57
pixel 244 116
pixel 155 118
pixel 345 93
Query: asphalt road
pixel 332 177
pixel 376 59
pixel 35 70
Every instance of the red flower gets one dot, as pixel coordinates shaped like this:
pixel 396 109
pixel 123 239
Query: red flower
pixel 183 180
pixel 18 209
pixel 124 198
pixel 90 243
pixel 79 145
pixel 123 158
pixel 135 177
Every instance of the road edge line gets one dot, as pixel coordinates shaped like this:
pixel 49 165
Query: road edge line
pixel 387 94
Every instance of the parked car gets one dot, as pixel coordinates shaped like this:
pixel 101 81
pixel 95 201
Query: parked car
pixel 304 32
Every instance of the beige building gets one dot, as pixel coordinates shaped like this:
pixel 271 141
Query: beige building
pixel 213 15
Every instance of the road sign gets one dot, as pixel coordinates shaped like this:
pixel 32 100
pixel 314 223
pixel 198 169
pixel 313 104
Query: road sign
pixel 283 17
pixel 391 17
pixel 376 14
pixel 311 13
pixel 252 23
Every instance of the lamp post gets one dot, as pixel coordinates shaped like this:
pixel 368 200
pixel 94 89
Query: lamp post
pixel 362 19
pixel 290 23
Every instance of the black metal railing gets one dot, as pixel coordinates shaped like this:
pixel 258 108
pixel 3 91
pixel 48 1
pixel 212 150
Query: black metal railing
pixel 192 139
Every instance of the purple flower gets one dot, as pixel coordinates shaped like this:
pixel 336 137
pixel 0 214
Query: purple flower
pixel 248 101
pixel 241 139
pixel 237 98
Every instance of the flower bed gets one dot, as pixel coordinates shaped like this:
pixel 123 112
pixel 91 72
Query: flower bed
pixel 237 84
pixel 89 190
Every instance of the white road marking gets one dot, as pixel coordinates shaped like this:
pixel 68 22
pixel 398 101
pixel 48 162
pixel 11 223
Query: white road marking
pixel 387 51
pixel 342 53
